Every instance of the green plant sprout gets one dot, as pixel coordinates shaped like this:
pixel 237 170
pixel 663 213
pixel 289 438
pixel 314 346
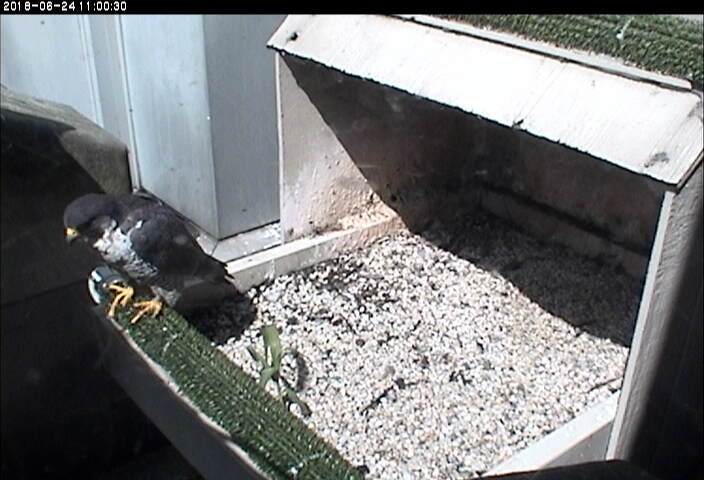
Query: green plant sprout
pixel 271 365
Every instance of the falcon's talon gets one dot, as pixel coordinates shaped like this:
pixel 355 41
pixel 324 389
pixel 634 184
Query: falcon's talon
pixel 152 306
pixel 122 297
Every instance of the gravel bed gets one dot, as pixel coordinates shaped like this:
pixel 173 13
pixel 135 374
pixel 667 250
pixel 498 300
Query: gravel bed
pixel 441 354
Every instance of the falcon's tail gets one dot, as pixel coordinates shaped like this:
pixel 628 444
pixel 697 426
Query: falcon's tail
pixel 212 284
pixel 213 270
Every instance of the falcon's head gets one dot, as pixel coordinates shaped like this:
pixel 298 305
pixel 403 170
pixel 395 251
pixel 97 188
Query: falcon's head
pixel 88 217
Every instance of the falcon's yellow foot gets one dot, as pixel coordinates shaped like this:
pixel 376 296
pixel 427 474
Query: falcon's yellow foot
pixel 152 306
pixel 122 297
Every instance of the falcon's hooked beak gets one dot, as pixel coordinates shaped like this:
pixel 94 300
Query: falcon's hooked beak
pixel 71 234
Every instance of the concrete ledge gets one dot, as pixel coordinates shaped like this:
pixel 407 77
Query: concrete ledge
pixel 53 130
pixel 62 416
pixel 50 155
pixel 203 443
pixel 583 439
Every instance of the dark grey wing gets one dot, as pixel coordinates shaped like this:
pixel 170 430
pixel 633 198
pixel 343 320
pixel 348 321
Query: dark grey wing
pixel 162 239
pixel 145 200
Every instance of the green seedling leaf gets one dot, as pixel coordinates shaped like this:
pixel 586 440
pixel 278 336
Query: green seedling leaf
pixel 272 343
pixel 267 374
pixel 270 364
pixel 291 397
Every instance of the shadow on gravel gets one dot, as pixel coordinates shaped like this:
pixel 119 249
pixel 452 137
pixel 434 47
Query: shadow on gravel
pixel 599 299
pixel 224 321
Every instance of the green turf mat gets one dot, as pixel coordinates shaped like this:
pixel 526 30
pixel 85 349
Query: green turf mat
pixel 278 442
pixel 660 43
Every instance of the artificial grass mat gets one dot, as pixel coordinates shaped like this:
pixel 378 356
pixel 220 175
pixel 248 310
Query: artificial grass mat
pixel 279 443
pixel 660 43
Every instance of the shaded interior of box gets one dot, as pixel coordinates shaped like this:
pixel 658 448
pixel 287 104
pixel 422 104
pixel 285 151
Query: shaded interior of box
pixel 432 162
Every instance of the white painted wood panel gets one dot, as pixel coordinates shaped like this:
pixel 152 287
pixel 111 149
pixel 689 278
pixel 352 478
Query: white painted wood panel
pixel 660 313
pixel 640 126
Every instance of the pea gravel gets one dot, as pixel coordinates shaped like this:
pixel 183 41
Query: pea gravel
pixel 441 354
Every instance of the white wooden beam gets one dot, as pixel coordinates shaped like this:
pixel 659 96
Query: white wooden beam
pixel 660 312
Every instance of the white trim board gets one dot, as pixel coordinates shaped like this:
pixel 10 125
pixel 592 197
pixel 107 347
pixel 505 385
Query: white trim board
pixel 582 439
pixel 296 255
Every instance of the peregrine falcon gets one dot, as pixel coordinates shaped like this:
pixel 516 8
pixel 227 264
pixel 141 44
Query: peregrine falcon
pixel 147 242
